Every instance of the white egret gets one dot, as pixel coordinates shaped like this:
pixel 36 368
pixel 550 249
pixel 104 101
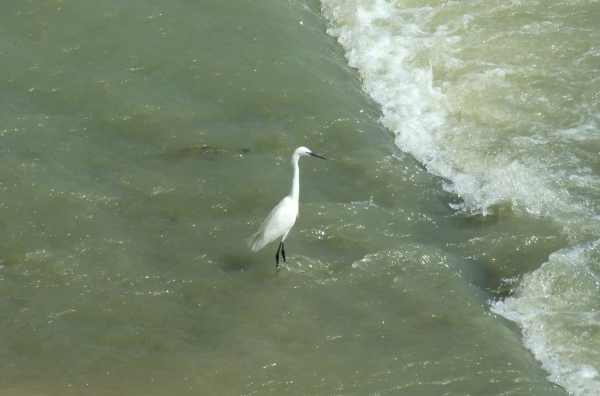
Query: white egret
pixel 283 216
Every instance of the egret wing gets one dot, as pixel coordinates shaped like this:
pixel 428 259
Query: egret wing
pixel 277 224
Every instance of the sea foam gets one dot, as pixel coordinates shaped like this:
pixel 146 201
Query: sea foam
pixel 501 108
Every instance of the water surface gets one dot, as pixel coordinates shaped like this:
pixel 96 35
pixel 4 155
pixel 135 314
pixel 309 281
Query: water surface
pixel 448 245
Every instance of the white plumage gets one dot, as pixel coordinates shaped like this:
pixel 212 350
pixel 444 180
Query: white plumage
pixel 283 216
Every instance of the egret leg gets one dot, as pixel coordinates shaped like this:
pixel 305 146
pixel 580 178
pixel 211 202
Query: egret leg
pixel 277 255
pixel 282 251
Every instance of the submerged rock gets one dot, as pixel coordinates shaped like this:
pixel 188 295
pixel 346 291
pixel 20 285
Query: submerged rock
pixel 203 150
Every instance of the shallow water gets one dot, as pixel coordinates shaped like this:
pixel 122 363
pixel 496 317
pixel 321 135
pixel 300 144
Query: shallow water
pixel 447 246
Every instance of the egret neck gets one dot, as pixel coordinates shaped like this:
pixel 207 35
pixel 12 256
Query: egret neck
pixel 295 193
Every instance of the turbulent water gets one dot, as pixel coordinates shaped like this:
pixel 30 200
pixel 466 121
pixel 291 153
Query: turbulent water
pixel 449 245
pixel 502 98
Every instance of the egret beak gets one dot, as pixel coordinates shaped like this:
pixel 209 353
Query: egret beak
pixel 317 155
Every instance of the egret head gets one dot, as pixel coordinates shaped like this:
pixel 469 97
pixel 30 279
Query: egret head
pixel 304 151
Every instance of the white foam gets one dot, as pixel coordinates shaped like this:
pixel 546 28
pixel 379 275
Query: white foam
pixel 475 120
pixel 395 51
pixel 557 307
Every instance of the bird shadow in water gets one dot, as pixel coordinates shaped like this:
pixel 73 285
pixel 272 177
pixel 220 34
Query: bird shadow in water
pixel 236 263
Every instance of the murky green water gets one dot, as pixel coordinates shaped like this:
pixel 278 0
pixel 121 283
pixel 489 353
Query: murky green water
pixel 142 142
